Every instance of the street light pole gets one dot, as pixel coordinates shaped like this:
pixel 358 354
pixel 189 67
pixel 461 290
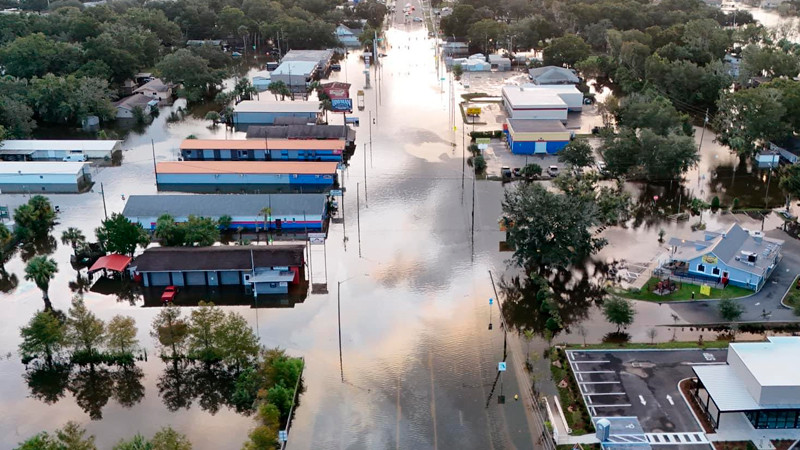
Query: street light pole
pixel 339 316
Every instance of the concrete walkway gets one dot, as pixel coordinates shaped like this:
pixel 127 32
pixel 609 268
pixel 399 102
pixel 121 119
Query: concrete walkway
pixel 763 306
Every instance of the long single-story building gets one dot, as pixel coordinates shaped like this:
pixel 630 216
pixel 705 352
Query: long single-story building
pixel 295 74
pixel 43 150
pixel 262 149
pixel 252 112
pixel 286 211
pixel 758 388
pixel 539 105
pixel 321 57
pixel 535 137
pixel 246 176
pixel 732 256
pixel 268 269
pixel 302 131
pixel 44 177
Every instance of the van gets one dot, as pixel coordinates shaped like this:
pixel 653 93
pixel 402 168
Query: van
pixel 552 171
pixel 74 157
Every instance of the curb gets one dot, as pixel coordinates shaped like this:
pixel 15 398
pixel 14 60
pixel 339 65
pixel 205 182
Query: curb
pixel 794 281
pixel 685 400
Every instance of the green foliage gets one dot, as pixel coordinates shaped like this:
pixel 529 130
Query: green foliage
pixel 648 154
pixel 652 111
pixel 7 241
pixel 548 229
pixel 35 56
pixel 69 99
pixel 137 442
pixel 169 439
pixel 578 153
pixel 121 334
pixel 281 397
pixel 213 116
pixel 192 71
pixel 730 310
pixel 43 337
pixel 225 221
pixel 790 180
pixel 204 331
pixel 619 312
pixel 200 231
pixel 74 237
pixel 71 437
pixel 279 88
pixel 484 33
pixel 40 270
pixel 531 170
pixel 566 50
pixel 171 331
pixel 237 343
pixel 715 203
pixel 457 70
pixel 479 163
pixel 117 234
pixel 35 219
pixel 749 118
pixel 86 333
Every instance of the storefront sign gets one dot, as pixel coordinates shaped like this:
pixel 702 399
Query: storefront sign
pixel 709 259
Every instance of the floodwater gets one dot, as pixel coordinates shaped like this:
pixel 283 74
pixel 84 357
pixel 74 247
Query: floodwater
pixel 417 365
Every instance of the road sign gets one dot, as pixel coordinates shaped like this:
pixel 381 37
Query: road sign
pixel 491 300
pixel 336 192
pixel 501 367
pixel 474 111
pixel 316 238
pixel 283 435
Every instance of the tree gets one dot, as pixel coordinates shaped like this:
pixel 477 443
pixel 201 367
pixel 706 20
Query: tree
pixel 85 331
pixel 169 439
pixel 619 312
pixel 484 32
pixel 225 221
pixel 171 330
pixel 730 310
pixel 458 70
pixel 117 234
pixel 578 154
pixel 238 344
pixel 528 335
pixel 566 50
pixel 192 71
pixel 44 335
pixel 531 171
pixel 789 182
pixel 279 88
pixel 40 270
pixel 652 333
pixel 204 327
pixel 137 442
pixel 214 117
pixel 6 245
pixel 749 118
pixel 35 55
pixel 200 231
pixel 548 229
pixel 71 437
pixel 121 332
pixel 74 237
pixel 169 233
pixel 653 111
pixel 35 219
pixel 69 99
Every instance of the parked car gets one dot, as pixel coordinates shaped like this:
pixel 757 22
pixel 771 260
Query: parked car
pixel 517 172
pixel 552 171
pixel 417 19
pixel 74 157
pixel 505 172
pixel 168 296
pixel 336 67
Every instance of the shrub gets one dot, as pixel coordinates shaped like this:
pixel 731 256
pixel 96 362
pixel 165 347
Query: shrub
pixel 480 164
pixel 715 203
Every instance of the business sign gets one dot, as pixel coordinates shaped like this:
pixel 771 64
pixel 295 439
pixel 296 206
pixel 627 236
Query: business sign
pixel 501 367
pixel 709 259
pixel 316 238
pixel 474 111
pixel 336 192
pixel 283 435
pixel 483 140
pixel 705 290
pixel 342 104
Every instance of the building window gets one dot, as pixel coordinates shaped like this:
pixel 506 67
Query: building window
pixel 701 268
pixel 715 270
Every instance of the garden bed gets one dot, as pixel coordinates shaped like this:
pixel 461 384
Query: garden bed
pixel 686 387
pixel 569 394
pixel 684 292
pixel 792 297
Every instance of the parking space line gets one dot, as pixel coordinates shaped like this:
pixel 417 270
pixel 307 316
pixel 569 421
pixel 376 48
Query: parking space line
pixel 591 361
pixel 606 393
pixel 594 371
pixel 580 376
pixel 599 382
pixel 620 405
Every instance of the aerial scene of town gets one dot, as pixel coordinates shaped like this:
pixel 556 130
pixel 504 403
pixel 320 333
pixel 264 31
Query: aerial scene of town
pixel 400 224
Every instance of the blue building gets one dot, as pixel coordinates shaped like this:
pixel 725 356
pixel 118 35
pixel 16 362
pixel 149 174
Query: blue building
pixel 535 137
pixel 295 212
pixel 266 149
pixel 733 256
pixel 251 112
pixel 246 176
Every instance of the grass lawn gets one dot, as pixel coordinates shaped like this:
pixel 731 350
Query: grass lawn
pixel 792 298
pixel 657 345
pixel 684 292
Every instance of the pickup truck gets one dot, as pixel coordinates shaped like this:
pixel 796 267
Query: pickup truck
pixel 168 296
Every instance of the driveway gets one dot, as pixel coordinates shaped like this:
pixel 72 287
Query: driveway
pixel 763 306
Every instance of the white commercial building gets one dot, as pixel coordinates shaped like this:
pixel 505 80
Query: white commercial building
pixel 36 149
pixel 295 74
pixel 541 105
pixel 568 92
pixel 44 177
pixel 759 387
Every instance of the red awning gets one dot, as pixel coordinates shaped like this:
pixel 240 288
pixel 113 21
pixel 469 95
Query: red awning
pixel 114 262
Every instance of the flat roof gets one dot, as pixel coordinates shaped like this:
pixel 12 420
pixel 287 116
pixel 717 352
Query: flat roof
pixel 772 363
pixel 252 167
pixel 534 126
pixel 296 68
pixel 254 106
pixel 726 388
pixel 307 55
pixel 521 98
pixel 557 88
pixel 216 205
pixel 57 144
pixel 223 257
pixel 250 144
pixel 40 168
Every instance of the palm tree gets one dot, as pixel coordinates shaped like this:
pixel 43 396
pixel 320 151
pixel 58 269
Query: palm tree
pixel 279 88
pixel 74 237
pixel 266 212
pixel 326 105
pixel 41 270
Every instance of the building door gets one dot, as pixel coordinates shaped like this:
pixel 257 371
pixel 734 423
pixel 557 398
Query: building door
pixel 540 148
pixel 195 278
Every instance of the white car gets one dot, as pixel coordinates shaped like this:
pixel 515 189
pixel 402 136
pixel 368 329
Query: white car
pixel 74 157
pixel 552 171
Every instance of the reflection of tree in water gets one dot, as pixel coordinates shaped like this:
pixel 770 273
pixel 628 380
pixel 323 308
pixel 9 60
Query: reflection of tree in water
pixel 8 281
pixel 128 292
pixel 80 285
pixel 40 246
pixel 555 303
pixel 213 385
pixel 174 386
pixel 48 383
pixel 128 388
pixel 92 388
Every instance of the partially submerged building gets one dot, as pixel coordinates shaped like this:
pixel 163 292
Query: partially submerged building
pixel 758 387
pixel 56 150
pixel 246 176
pixel 553 75
pixel 252 112
pixel 37 177
pixel 539 105
pixel 268 269
pixel 303 132
pixel 296 74
pixel 265 149
pixel 322 58
pixel 286 211
pixel 535 137
pixel 732 256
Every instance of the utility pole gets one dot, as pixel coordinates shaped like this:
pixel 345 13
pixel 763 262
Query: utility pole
pixel 155 169
pixel 700 145
pixel 370 139
pixel 339 316
pixel 103 194
pixel 766 196
pixel 366 200
pixel 472 238
pixel 358 218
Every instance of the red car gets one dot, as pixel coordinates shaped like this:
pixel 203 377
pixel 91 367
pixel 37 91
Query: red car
pixel 169 294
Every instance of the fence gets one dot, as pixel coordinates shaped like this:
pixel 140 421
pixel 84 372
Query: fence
pixel 690 279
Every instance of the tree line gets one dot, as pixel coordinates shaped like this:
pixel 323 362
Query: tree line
pixel 73 437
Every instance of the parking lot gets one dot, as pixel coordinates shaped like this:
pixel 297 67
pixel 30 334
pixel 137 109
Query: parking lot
pixel 643 384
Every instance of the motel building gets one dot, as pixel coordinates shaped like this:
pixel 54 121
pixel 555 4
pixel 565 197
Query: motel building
pixel 757 389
